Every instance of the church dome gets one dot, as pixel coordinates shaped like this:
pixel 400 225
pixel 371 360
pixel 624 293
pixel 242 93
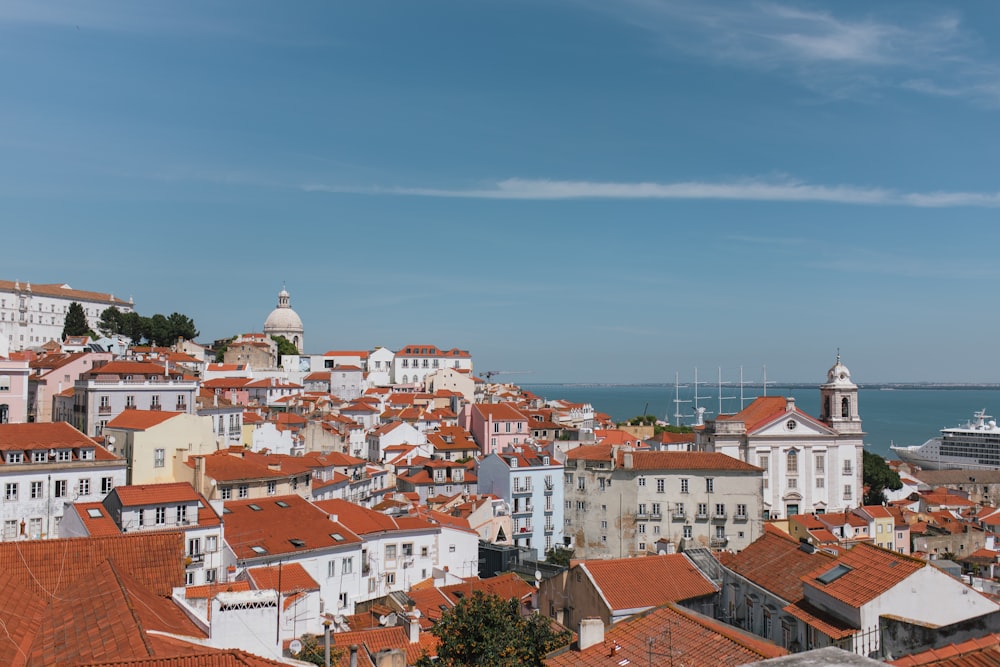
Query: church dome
pixel 285 322
pixel 838 374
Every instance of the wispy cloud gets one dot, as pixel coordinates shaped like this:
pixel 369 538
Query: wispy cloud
pixel 744 190
pixel 828 52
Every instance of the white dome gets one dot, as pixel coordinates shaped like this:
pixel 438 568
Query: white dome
pixel 282 319
pixel 838 374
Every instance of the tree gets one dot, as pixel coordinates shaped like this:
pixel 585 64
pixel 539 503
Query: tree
pixel 181 326
pixel 76 322
pixel 314 651
pixel 285 346
pixel 878 477
pixel 133 326
pixel 490 630
pixel 558 555
pixel 111 322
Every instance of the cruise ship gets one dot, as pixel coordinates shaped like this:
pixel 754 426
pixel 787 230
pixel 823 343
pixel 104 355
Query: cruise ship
pixel 976 445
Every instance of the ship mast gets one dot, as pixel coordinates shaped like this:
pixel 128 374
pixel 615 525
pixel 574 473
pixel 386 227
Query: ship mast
pixel 677 400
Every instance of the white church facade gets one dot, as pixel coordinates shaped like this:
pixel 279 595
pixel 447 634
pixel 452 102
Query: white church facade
pixel 811 465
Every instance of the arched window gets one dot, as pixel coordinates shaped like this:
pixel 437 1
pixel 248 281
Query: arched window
pixel 792 461
pixel 405 379
pixel 845 407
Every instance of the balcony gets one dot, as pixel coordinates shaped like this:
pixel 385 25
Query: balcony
pixel 656 516
pixel 524 509
pixel 718 542
pixel 679 516
pixel 719 516
pixel 740 517
pixel 194 559
pixel 701 516
pixel 549 528
pixel 182 407
pixel 104 410
pixel 156 406
pixel 522 488
pixel 549 484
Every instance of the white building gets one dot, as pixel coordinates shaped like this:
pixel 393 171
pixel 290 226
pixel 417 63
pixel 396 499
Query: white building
pixel 380 367
pixel 810 465
pixel 45 467
pixel 143 508
pixel 107 390
pixel 414 362
pixel 31 315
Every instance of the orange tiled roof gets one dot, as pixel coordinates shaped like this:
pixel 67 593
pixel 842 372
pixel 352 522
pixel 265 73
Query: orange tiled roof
pixel 43 435
pixel 292 577
pixel 154 559
pixel 686 461
pixel 380 639
pixel 274 526
pixel 97 526
pixel 976 652
pixel 870 572
pixel 776 563
pixel 155 494
pixel 693 640
pixel 498 412
pixel 637 583
pixel 507 585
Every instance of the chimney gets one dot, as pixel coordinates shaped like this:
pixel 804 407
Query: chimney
pixel 354 655
pixel 789 404
pixel 591 632
pixel 390 657
pixel 627 458
pixel 411 624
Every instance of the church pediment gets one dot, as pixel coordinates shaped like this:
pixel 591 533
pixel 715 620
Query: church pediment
pixel 793 424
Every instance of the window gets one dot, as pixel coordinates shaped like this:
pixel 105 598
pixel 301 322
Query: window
pixel 226 492
pixel 10 491
pixel 342 600
pixel 36 490
pixel 272 487
pixel 847 492
pixel 792 461
pixel 847 468
pixel 4 383
pixel 194 546
pixel 210 576
pixel 161 516
pixel 211 544
pixel 243 490
pixel 159 458
pixel 661 485
pixel 720 510
pixel 83 487
pixel 702 510
pixel 331 569
pixel 10 529
pixel 35 528
pixel 569 478
pixel 140 517
pixel 581 484
pixel 39 456
pixel 642 481
pixel 347 565
pixel 820 463
pixel 642 509
pixel 390 552
pixel 407 550
pixel 687 532
pixel 604 525
pixel 684 486
pixel 741 511
pixel 451 548
pixel 130 399
pixel 709 485
pixel 390 578
pixel 64 455
pixel 182 514
pixel 820 483
pixel 14 457
pixel 642 528
pixel 656 509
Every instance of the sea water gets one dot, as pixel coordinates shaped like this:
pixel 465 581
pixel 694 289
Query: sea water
pixel 900 416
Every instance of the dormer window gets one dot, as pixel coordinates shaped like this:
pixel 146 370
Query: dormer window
pixel 14 457
pixel 39 456
pixel 64 455
pixel 513 462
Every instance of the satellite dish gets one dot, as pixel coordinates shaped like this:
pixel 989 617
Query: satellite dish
pixel 295 646
pixel 538 574
pixel 111 439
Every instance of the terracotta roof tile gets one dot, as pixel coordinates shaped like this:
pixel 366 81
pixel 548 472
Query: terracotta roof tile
pixel 686 461
pixel 277 521
pixel 638 583
pixel 776 563
pixel 692 640
pixel 292 577
pixel 870 572
pixel 155 494
pixel 978 652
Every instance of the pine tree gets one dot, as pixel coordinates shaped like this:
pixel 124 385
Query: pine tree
pixel 76 322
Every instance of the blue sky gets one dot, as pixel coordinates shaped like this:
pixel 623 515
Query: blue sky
pixel 590 191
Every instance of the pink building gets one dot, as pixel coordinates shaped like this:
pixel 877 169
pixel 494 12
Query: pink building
pixel 13 387
pixel 497 425
pixel 54 373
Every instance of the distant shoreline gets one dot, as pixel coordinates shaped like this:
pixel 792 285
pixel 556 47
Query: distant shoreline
pixel 902 386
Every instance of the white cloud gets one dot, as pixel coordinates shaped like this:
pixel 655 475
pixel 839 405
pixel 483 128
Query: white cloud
pixel 744 190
